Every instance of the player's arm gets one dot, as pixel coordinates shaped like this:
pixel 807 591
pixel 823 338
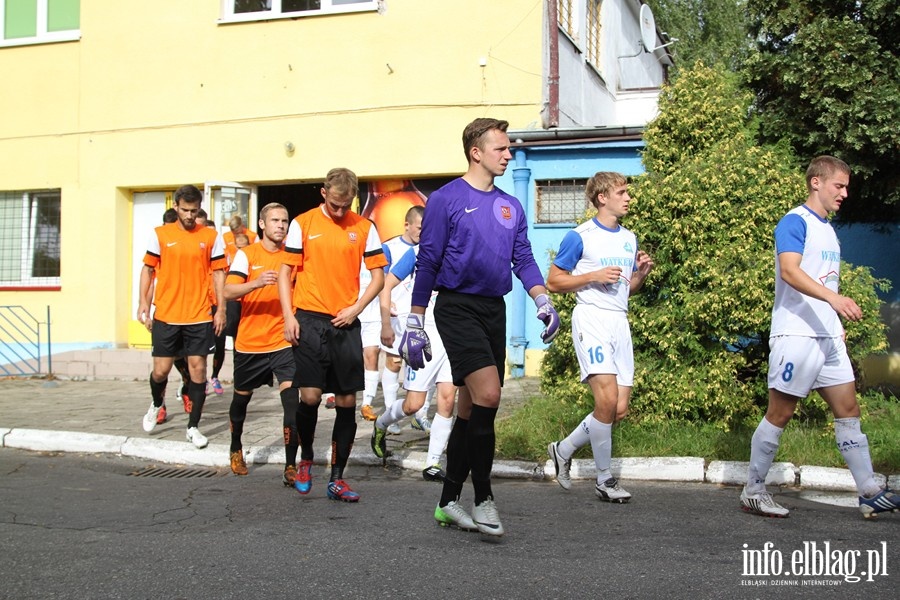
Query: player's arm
pixel 238 284
pixel 797 278
pixel 387 332
pixel 219 286
pixel 560 281
pixel 642 267
pixel 233 291
pixel 346 316
pixel 145 295
pixel 291 326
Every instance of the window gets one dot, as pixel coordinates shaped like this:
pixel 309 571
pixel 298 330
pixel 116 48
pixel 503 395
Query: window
pixel 593 33
pixel 39 21
pixel 259 10
pixel 565 17
pixel 560 200
pixel 29 238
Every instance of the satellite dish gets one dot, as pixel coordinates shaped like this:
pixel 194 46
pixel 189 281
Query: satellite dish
pixel 648 28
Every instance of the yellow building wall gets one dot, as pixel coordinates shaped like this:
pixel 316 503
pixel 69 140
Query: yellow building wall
pixel 158 94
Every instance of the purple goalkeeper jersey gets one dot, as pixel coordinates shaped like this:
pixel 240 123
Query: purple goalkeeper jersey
pixel 469 241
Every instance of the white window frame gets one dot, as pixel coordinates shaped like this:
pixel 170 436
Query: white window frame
pixel 593 43
pixel 30 198
pixel 42 36
pixel 327 8
pixel 214 207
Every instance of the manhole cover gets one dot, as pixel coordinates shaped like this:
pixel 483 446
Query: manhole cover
pixel 176 473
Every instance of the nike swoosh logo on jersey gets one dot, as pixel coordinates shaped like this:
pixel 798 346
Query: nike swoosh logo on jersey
pixel 471 210
pixel 255 267
pixel 312 237
pixel 170 244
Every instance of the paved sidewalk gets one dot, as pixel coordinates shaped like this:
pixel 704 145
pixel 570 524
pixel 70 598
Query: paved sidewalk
pixel 105 416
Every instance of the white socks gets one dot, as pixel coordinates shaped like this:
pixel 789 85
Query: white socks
pixel 437 442
pixel 601 444
pixel 854 447
pixel 390 384
pixel 390 416
pixel 763 446
pixel 372 378
pixel 580 436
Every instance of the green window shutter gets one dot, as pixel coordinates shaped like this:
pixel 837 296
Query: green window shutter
pixel 20 19
pixel 63 15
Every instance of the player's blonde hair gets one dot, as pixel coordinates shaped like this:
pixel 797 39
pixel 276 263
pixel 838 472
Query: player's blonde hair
pixel 602 183
pixel 270 207
pixel 342 181
pixel 236 223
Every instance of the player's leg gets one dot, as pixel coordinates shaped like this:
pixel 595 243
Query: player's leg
pixel 390 382
pixel 218 360
pixel 345 375
pixel 181 365
pixel 763 447
pixel 282 365
pixel 449 511
pixel 420 420
pixel 159 377
pixel 794 365
pixel 166 340
pixel 250 371
pixel 851 441
pixel 440 431
pixel 606 401
pixel 309 378
pixel 197 395
pixel 237 414
pixel 839 392
pixel 612 408
pixel 370 339
pixel 592 343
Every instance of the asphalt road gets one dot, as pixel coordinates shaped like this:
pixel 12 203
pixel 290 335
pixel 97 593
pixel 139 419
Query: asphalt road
pixel 76 526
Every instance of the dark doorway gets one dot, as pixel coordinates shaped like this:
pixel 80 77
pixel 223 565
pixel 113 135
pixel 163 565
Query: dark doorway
pixel 296 197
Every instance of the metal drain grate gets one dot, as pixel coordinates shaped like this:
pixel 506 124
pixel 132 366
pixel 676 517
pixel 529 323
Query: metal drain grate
pixel 176 473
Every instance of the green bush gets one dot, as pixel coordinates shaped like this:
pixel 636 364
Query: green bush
pixel 706 211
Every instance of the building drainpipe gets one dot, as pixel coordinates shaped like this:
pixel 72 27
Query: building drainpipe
pixel 518 342
pixel 553 67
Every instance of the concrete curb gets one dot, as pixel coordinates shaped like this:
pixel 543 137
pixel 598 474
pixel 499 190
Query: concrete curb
pixel 735 473
pixel 676 469
pixel 41 440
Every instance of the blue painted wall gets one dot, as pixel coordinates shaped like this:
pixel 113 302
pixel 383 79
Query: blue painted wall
pixel 570 161
pixel 876 246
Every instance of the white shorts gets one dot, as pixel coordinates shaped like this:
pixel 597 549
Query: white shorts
pixel 399 326
pixel 602 341
pixel 371 333
pixel 437 370
pixel 798 364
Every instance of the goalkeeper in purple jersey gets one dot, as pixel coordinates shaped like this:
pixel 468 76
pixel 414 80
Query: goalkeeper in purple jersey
pixel 471 233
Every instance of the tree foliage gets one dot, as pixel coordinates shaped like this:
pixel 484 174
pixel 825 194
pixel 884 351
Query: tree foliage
pixel 826 74
pixel 711 31
pixel 705 210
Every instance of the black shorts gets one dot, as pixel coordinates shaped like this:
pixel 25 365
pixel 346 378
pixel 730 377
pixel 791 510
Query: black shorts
pixel 256 370
pixel 232 318
pixel 327 357
pixel 182 340
pixel 473 329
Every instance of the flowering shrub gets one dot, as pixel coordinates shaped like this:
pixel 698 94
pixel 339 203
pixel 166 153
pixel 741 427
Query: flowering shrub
pixel 706 211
